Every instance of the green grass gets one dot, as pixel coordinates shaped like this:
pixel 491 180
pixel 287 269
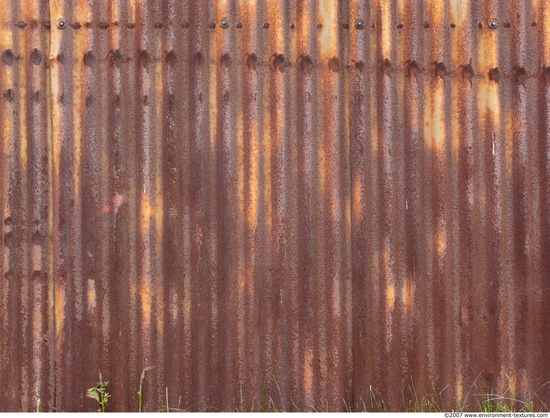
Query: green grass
pixel 433 401
pixel 99 393
pixel 410 401
pixel 140 391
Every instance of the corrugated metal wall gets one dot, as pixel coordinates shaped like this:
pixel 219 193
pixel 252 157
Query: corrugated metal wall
pixel 26 289
pixel 297 200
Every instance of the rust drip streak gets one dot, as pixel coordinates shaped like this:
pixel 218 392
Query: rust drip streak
pixel 20 116
pixel 6 355
pixel 117 200
pixel 303 204
pixel 129 244
pixel 51 335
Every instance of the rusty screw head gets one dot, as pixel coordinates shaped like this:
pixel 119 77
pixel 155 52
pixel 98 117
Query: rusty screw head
pixel 62 24
pixel 359 23
pixel 224 23
pixel 493 24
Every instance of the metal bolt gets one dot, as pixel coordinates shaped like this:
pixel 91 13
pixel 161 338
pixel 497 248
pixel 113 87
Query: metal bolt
pixel 62 24
pixel 359 23
pixel 493 24
pixel 224 23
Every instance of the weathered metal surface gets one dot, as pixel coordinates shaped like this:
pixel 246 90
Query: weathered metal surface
pixel 296 200
pixel 26 290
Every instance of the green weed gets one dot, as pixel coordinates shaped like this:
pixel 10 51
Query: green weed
pixel 140 392
pixel 99 393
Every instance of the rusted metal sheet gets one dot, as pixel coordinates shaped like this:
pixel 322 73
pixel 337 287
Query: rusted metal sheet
pixel 450 141
pixel 26 290
pixel 265 199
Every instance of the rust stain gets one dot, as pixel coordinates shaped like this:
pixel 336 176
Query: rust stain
pixel 299 200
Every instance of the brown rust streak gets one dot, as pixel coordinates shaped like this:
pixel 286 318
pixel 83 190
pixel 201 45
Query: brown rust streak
pixel 512 297
pixel 444 216
pixel 159 284
pixel 151 196
pixel 310 160
pixel 266 289
pixel 120 355
pixel 57 287
pixel 536 212
pixel 181 227
pixel 359 100
pixel 544 138
pixel 98 91
pixel 282 243
pixel 387 179
pixel 436 183
pixel 401 323
pixel 7 280
pixel 201 95
pixel 129 221
pixel 37 173
pixel 413 151
pixel 51 334
pixel 462 136
pixel 215 249
pixel 81 45
pixel 23 258
pixel 229 231
pixel 249 157
pixel 335 361
pixel 489 221
pixel 375 286
pixel 293 379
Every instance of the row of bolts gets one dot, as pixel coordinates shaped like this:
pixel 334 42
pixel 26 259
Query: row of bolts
pixel 359 24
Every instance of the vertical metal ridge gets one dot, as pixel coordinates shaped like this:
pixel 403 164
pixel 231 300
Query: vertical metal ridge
pixel 250 155
pixel 264 203
pixel 543 47
pixel 294 221
pixel 9 276
pixel 413 139
pixel 24 318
